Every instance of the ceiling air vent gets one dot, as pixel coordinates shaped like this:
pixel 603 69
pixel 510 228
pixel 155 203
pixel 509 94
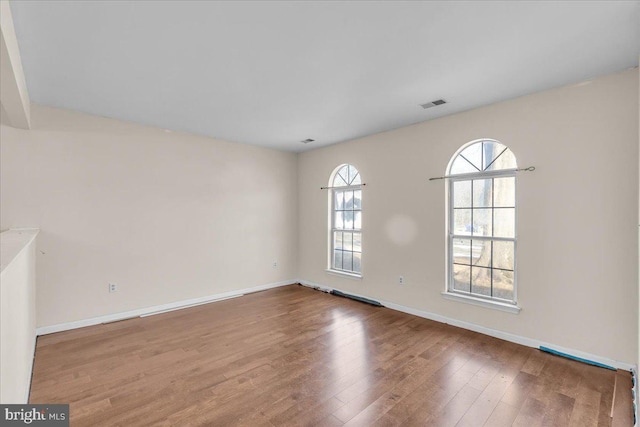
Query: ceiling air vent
pixel 433 103
pixel 308 140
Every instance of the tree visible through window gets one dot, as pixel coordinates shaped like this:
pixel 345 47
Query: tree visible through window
pixel 345 254
pixel 482 221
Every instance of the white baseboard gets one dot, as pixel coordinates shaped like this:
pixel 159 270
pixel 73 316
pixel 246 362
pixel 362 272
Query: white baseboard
pixel 44 330
pixel 529 342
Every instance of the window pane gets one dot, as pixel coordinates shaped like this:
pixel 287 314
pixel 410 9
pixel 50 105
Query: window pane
pixel 348 220
pixel 461 251
pixel 337 240
pixel 503 255
pixel 357 200
pixel 347 241
pixel 461 278
pixel 338 220
pixel 339 180
pixel 481 193
pixel 346 261
pixel 462 221
pixel 473 153
pixel 503 284
pixel 482 222
pixel 491 151
pixel 352 174
pixel 337 259
pixel 504 192
pixel 504 222
pixel 348 200
pixel 475 250
pixel 481 253
pixel 460 166
pixel 357 242
pixel 356 180
pixel 339 203
pixel 505 160
pixel 357 220
pixel 343 173
pixel 481 281
pixel 462 194
pixel 357 262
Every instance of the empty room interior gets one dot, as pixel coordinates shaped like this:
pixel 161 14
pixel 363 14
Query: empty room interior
pixel 318 213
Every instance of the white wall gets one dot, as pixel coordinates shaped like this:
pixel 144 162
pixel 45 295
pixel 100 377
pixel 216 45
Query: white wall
pixel 165 216
pixel 17 314
pixel 577 242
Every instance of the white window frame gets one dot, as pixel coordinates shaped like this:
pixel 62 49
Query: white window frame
pixel 469 297
pixel 332 226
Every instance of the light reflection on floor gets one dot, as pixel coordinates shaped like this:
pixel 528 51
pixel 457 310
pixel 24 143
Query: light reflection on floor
pixel 350 352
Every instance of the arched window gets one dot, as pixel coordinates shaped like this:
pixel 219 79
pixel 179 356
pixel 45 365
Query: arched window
pixel 345 253
pixel 482 222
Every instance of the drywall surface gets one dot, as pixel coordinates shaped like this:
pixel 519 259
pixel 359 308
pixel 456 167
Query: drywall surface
pixel 17 313
pixel 577 258
pixel 165 216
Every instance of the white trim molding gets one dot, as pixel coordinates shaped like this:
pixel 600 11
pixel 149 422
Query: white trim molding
pixel 344 274
pixel 529 342
pixel 157 309
pixel 486 303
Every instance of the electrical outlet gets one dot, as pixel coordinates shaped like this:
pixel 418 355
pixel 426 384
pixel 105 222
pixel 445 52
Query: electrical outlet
pixel 113 287
pixel 275 264
pixel 401 280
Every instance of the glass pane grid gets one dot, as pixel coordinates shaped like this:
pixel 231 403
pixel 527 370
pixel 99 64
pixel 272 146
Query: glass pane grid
pixel 347 251
pixel 483 268
pixel 482 238
pixel 347 176
pixel 347 219
pixel 483 156
pixel 347 261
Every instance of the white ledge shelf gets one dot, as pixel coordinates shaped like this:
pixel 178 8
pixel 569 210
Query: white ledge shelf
pixel 344 274
pixel 495 305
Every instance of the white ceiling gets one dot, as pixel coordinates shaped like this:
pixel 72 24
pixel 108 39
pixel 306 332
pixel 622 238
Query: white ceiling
pixel 275 73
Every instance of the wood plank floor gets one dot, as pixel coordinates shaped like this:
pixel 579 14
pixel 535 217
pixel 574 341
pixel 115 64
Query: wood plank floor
pixel 299 357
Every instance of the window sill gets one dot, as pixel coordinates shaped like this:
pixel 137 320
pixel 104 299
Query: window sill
pixel 344 274
pixel 502 306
